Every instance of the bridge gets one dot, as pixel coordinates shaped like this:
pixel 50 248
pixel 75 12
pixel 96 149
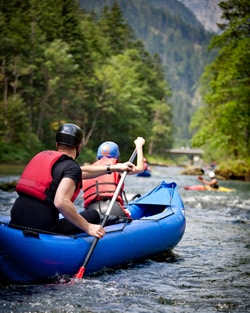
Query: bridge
pixel 186 151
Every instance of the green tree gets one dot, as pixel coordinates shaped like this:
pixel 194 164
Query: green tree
pixel 119 34
pixel 223 123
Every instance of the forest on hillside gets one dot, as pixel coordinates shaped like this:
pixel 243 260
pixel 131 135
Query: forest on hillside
pixel 66 64
pixel 170 30
pixel 63 65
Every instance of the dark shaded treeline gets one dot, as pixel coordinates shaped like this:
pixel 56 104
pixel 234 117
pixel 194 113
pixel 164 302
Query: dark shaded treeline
pixel 60 63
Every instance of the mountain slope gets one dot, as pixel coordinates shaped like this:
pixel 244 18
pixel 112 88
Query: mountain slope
pixel 207 12
pixel 171 30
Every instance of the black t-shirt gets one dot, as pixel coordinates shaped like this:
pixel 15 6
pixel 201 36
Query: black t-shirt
pixel 65 168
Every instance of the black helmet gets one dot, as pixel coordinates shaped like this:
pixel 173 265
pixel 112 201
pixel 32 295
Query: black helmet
pixel 70 135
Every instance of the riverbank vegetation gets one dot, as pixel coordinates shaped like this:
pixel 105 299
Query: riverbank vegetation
pixel 60 64
pixel 222 124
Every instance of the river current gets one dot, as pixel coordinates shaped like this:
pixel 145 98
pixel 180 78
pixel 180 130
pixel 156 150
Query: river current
pixel 208 271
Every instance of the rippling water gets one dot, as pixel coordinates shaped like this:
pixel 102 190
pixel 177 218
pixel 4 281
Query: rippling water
pixel 209 270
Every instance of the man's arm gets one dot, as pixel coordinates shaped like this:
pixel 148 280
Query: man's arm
pixel 92 171
pixel 65 206
pixel 139 143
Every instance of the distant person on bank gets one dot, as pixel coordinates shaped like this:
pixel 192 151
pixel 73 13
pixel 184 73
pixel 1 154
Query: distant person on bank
pixel 146 165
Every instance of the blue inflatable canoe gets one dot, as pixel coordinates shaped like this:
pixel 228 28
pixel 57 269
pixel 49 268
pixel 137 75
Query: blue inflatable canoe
pixel 31 257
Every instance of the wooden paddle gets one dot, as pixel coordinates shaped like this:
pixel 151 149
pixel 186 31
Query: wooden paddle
pixel 94 243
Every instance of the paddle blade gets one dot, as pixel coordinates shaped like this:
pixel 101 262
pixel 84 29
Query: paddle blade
pixel 80 272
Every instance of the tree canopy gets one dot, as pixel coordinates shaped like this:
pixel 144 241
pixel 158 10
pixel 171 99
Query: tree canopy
pixel 171 30
pixel 62 64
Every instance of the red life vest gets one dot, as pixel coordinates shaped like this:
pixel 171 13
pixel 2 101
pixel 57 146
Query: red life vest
pixel 37 175
pixel 102 187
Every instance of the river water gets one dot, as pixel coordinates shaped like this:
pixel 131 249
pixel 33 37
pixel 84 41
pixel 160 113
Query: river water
pixel 208 271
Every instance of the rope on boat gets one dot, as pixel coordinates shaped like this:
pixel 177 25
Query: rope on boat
pixel 35 230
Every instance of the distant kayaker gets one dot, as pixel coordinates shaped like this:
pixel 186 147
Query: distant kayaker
pixel 49 185
pixel 98 192
pixel 213 183
pixel 146 165
pixel 213 165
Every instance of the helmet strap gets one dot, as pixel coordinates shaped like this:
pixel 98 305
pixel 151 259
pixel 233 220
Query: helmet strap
pixel 77 151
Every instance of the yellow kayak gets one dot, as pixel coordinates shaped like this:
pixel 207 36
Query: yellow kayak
pixel 203 188
pixel 224 189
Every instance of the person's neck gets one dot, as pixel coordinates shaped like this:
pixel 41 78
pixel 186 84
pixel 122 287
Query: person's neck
pixel 70 153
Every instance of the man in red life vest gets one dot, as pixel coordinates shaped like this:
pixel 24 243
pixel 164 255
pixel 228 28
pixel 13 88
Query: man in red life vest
pixel 50 183
pixel 99 191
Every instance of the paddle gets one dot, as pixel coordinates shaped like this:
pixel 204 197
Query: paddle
pixel 201 179
pixel 94 243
